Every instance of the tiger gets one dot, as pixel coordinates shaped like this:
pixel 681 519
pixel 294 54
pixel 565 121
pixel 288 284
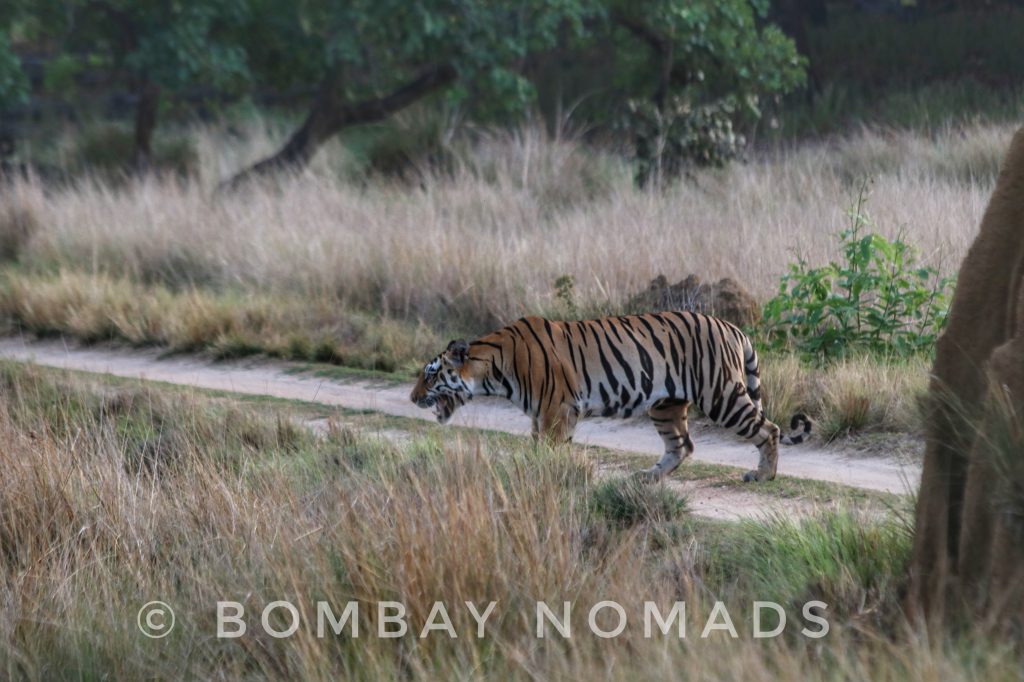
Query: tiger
pixel 559 372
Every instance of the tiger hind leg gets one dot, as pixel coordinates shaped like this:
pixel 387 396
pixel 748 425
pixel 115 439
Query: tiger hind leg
pixel 765 436
pixel 766 439
pixel 747 419
pixel 669 418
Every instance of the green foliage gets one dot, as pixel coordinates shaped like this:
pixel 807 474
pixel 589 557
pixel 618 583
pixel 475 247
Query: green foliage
pixel 60 73
pixel 852 563
pixel 935 47
pixel 630 501
pixel 717 61
pixel 565 292
pixel 173 45
pixel 376 46
pixel 953 66
pixel 182 44
pixel 725 58
pixel 878 299
pixel 726 46
pixel 680 135
pixel 13 84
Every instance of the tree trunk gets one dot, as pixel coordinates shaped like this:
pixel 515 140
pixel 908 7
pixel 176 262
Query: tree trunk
pixel 146 112
pixel 792 17
pixel 330 114
pixel 649 152
pixel 968 556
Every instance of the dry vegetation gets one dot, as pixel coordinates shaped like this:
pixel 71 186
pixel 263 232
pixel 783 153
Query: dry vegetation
pixel 113 496
pixel 375 273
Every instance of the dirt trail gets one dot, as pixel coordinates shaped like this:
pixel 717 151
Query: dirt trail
pixel 705 497
pixel 273 379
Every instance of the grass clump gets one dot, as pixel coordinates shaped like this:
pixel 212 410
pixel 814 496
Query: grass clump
pixel 630 501
pixel 854 394
pixel 857 564
pixel 19 221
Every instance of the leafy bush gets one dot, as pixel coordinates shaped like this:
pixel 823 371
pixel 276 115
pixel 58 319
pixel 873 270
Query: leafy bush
pixel 681 136
pixel 878 299
pixel 565 292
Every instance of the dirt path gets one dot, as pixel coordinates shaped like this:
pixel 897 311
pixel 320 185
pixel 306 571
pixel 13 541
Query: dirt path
pixel 705 497
pixel 272 379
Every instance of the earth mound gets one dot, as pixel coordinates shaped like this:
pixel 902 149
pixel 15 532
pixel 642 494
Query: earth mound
pixel 725 299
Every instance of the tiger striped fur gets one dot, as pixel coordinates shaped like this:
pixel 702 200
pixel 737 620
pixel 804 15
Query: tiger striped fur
pixel 659 363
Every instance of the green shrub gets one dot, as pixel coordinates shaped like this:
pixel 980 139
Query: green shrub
pixel 630 501
pixel 681 136
pixel 565 292
pixel 878 299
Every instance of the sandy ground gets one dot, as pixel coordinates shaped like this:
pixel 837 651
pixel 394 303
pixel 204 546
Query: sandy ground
pixel 808 460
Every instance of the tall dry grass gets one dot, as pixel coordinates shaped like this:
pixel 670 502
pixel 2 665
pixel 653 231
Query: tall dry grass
pixel 114 496
pixel 849 395
pixel 486 241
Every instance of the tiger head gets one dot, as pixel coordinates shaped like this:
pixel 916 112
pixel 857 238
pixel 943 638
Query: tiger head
pixel 442 383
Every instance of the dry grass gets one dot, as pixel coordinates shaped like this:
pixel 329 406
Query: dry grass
pixel 99 307
pixel 97 517
pixel 373 273
pixel 18 220
pixel 849 395
pixel 487 242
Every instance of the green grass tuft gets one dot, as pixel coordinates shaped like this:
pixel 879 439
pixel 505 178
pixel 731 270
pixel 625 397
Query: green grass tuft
pixel 631 501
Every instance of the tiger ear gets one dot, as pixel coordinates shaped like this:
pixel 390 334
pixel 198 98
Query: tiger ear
pixel 457 352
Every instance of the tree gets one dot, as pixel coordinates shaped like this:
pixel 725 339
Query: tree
pixel 968 556
pixel 372 58
pixel 793 16
pixel 710 63
pixel 13 83
pixel 155 47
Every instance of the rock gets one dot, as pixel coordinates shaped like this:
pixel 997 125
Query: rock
pixel 724 299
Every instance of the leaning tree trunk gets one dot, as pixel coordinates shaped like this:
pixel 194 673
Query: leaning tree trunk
pixel 330 114
pixel 968 555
